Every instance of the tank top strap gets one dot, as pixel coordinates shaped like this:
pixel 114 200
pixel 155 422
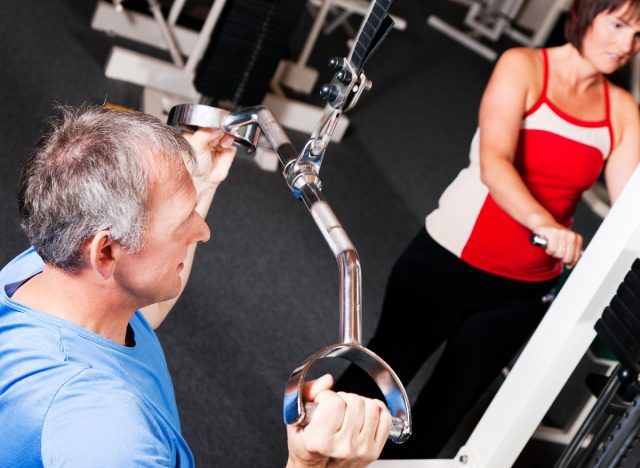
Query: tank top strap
pixel 607 106
pixel 545 80
pixel 606 99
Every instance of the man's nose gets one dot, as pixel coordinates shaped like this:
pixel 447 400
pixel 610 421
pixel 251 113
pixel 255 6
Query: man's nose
pixel 203 231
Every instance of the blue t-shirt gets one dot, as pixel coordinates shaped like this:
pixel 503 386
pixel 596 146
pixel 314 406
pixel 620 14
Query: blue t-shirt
pixel 70 397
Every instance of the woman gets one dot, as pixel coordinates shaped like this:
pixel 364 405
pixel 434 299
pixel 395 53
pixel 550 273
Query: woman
pixel 549 123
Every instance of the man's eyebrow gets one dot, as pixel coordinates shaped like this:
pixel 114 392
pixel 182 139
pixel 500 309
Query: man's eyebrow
pixel 181 221
pixel 193 210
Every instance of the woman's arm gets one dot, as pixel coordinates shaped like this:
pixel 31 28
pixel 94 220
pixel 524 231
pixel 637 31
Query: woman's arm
pixel 511 90
pixel 626 153
pixel 214 155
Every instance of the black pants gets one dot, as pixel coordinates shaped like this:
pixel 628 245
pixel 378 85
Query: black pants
pixel 433 296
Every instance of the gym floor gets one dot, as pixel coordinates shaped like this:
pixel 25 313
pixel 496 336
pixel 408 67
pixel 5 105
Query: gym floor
pixel 263 294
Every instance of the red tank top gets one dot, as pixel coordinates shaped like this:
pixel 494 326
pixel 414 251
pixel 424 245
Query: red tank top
pixel 558 157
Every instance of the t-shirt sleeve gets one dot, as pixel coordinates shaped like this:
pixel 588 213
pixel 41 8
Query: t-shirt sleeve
pixel 95 420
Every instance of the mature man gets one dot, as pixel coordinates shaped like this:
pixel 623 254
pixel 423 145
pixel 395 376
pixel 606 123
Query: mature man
pixel 113 204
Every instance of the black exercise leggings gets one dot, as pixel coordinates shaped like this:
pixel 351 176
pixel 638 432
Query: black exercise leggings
pixel 433 296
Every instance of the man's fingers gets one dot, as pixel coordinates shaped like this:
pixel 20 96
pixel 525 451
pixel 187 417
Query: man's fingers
pixel 218 136
pixel 354 416
pixel 346 429
pixel 327 421
pixel 314 387
pixel 204 137
pixel 201 137
pixel 226 141
pixel 384 424
pixel 370 426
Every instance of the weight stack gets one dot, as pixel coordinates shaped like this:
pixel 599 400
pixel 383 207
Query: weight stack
pixel 619 326
pixel 249 40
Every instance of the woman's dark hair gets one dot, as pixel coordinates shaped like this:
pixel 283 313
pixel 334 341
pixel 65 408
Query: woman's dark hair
pixel 583 12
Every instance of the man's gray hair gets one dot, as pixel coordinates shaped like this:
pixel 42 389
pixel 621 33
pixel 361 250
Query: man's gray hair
pixel 91 171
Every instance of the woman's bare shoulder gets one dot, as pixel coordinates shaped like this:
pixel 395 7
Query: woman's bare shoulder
pixel 521 57
pixel 521 63
pixel 624 112
pixel 621 99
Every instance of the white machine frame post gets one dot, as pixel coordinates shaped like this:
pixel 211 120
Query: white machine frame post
pixel 556 347
pixel 174 78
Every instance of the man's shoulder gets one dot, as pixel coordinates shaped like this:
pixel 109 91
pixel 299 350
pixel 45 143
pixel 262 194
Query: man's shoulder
pixel 95 416
pixel 92 390
pixel 95 398
pixel 28 385
pixel 24 265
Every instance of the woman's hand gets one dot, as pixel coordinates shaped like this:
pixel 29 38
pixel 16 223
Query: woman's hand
pixel 562 243
pixel 214 152
pixel 346 430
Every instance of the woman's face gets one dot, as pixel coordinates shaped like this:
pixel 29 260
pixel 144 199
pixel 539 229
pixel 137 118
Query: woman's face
pixel 612 40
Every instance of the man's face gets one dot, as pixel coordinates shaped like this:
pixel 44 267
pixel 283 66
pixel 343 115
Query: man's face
pixel 152 274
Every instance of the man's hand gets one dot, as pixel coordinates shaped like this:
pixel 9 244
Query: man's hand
pixel 346 430
pixel 214 152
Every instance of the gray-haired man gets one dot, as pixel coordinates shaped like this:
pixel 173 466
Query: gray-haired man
pixel 113 204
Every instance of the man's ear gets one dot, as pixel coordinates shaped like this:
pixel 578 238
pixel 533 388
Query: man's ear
pixel 104 253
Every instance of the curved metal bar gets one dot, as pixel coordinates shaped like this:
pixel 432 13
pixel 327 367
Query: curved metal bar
pixel 198 115
pixel 270 127
pixel 348 262
pixel 301 175
pixel 372 364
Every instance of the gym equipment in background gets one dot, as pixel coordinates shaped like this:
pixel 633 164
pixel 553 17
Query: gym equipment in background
pixel 245 49
pixel 491 19
pixel 297 75
pixel 609 435
pixel 301 171
pixel 167 83
pixel 173 78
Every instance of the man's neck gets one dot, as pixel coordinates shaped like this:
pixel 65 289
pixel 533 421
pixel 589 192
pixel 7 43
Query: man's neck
pixel 79 299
